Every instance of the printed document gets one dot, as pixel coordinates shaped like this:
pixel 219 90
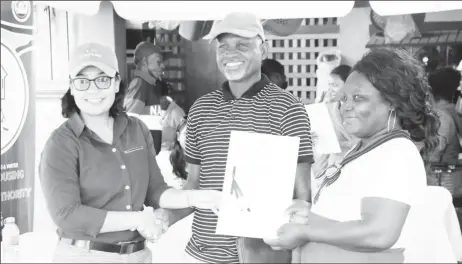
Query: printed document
pixel 259 184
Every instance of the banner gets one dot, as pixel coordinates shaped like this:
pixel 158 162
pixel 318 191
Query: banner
pixel 17 114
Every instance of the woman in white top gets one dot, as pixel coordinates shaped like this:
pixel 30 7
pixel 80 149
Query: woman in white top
pixel 364 213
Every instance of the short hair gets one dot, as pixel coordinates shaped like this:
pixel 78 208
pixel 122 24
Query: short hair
pixel 273 68
pixel 68 105
pixel 342 71
pixel 444 83
pixel 269 65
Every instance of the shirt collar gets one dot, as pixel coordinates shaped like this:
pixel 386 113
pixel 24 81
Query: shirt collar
pixel 78 126
pixel 252 91
pixel 145 76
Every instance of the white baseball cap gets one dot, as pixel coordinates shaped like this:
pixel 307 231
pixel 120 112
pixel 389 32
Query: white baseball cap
pixel 242 24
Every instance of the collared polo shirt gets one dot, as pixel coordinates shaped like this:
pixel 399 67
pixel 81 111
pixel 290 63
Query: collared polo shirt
pixel 83 177
pixel 143 98
pixel 264 108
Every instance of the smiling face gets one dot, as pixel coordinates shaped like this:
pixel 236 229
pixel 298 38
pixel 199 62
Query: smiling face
pixel 155 65
pixel 239 58
pixel 364 113
pixel 94 101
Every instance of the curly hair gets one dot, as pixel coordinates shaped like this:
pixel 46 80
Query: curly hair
pixel 68 105
pixel 400 79
pixel 177 155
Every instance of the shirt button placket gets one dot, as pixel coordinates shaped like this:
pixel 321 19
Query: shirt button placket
pixel 123 167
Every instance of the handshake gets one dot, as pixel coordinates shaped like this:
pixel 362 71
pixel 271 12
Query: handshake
pixel 152 224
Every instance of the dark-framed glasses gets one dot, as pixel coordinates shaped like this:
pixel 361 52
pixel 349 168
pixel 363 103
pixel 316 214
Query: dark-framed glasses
pixel 101 82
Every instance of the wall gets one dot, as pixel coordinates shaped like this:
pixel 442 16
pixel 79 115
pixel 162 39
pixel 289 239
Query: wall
pixel 354 34
pixel 120 43
pixel 202 75
pixel 445 16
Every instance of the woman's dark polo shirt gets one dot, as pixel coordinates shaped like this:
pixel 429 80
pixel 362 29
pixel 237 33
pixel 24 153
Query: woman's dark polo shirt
pixel 83 177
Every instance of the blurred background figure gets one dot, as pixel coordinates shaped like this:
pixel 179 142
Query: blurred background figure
pixel 336 80
pixel 275 72
pixel 444 83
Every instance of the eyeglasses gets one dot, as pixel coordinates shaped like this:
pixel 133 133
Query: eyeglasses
pixel 101 82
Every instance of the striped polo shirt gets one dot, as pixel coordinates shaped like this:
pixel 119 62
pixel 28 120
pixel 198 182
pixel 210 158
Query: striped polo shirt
pixel 264 108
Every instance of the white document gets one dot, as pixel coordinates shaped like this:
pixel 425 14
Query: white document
pixel 153 122
pixel 256 198
pixel 321 124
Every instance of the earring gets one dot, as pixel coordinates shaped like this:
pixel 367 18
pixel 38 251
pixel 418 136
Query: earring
pixel 392 113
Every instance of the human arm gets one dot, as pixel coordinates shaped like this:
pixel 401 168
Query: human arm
pixel 384 208
pixel 303 182
pixel 133 102
pixel 59 178
pixel 295 123
pixel 191 183
pixel 446 131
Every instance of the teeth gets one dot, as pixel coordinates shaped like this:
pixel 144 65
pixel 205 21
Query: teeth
pixel 94 100
pixel 233 64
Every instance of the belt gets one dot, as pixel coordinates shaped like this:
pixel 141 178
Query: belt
pixel 122 248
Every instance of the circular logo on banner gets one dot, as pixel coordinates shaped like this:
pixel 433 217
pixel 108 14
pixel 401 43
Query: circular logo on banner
pixel 14 96
pixel 21 10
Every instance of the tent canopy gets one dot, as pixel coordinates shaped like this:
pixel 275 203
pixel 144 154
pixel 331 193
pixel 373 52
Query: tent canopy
pixel 216 10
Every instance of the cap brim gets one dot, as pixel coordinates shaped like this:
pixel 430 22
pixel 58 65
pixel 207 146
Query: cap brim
pixel 104 67
pixel 236 31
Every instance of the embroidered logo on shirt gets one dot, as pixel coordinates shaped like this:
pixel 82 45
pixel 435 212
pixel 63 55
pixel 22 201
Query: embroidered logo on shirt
pixel 133 149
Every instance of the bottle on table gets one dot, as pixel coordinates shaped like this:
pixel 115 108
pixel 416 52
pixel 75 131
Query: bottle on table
pixel 10 236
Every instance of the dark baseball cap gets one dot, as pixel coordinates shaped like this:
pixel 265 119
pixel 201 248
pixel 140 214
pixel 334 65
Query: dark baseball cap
pixel 145 49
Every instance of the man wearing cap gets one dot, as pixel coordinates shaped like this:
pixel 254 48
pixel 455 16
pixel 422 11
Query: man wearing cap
pixel 147 94
pixel 247 101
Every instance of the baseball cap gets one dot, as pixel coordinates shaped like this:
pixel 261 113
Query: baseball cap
pixel 144 49
pixel 93 54
pixel 242 24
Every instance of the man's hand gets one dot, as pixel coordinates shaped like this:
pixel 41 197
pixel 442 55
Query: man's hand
pixel 289 237
pixel 153 223
pixel 299 211
pixel 205 199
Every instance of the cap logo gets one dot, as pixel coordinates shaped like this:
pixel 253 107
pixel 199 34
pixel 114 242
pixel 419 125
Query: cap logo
pixel 92 53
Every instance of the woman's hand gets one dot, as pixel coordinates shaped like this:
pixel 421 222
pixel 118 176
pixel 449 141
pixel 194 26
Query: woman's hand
pixel 290 236
pixel 205 199
pixel 153 224
pixel 299 211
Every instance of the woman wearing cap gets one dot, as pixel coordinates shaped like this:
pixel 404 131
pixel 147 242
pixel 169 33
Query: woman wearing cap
pixel 98 171
pixel 366 209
